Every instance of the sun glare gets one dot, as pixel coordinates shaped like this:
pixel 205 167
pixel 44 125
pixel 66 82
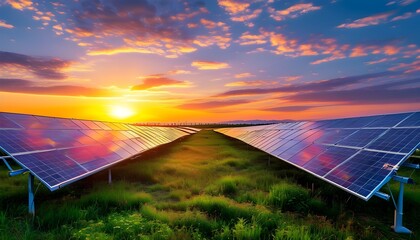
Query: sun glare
pixel 121 112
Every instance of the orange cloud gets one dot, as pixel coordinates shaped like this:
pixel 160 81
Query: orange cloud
pixel 250 83
pixel 6 25
pixel 240 11
pixel 203 105
pixel 113 51
pixel 209 65
pixel 210 24
pixel 291 78
pixel 244 75
pixel 157 80
pixel 40 88
pixel 293 11
pixel 179 71
pixel 366 21
pixel 358 51
pixel 249 39
pixel 233 6
pixel 21 4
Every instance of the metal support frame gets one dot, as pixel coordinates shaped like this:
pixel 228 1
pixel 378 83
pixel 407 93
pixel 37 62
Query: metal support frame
pixel 109 176
pixel 31 196
pixel 398 214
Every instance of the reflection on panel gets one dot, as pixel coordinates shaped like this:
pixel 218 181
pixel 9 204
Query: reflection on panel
pixel 353 153
pixel 59 151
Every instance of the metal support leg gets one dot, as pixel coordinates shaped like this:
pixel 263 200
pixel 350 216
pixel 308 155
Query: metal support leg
pixel 31 198
pixel 398 215
pixel 109 176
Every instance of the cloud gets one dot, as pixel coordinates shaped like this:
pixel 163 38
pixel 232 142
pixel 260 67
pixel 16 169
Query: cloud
pixel 309 87
pixel 234 6
pixel 240 10
pixel 407 67
pixel 405 91
pixel 5 25
pixel 293 11
pixel 194 105
pixel 289 108
pixel 44 67
pixel 406 15
pixel 30 87
pixel 209 65
pixel 382 60
pixel 244 75
pixel 291 78
pixel 152 27
pixel 250 39
pixel 179 71
pixel 158 80
pixel 401 2
pixel 21 4
pixel 367 21
pixel 250 83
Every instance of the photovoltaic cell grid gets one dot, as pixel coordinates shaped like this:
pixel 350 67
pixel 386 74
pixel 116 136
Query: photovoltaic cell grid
pixel 59 151
pixel 358 155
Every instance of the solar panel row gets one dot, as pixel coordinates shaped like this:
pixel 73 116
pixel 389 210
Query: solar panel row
pixel 356 154
pixel 59 151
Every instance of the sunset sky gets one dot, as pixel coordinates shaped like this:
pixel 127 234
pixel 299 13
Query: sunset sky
pixel 209 61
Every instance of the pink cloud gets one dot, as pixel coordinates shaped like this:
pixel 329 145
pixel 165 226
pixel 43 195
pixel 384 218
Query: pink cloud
pixel 293 11
pixel 244 75
pixel 367 21
pixel 5 25
pixel 158 80
pixel 250 83
pixel 209 65
pixel 407 67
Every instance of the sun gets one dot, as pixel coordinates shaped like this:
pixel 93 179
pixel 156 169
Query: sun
pixel 121 112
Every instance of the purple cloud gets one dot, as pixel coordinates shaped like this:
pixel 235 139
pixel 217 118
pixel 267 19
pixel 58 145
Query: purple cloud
pixel 193 105
pixel 25 86
pixel 406 91
pixel 290 108
pixel 312 86
pixel 44 67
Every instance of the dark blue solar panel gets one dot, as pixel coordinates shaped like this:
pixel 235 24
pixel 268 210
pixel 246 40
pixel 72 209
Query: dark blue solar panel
pixel 353 122
pixel 332 136
pixel 59 151
pixel 365 171
pixel 397 140
pixel 336 148
pixel 388 120
pixel 51 167
pixel 326 161
pixel 361 138
pixel 412 121
pixel 7 123
pixel 304 156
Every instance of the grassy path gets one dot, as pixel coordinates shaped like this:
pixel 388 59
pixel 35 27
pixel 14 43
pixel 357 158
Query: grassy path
pixel 206 186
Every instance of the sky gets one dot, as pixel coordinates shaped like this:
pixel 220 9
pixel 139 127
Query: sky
pixel 209 61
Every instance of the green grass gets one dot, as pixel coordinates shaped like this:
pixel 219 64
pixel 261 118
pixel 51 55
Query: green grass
pixel 205 186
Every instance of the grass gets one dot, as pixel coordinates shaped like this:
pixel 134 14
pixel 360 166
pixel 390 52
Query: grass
pixel 205 186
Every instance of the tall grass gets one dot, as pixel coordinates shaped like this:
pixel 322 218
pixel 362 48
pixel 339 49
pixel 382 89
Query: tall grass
pixel 206 186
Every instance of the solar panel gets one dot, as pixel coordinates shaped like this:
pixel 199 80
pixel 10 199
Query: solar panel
pixel 358 154
pixel 59 151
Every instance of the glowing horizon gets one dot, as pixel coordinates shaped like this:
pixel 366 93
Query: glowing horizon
pixel 209 61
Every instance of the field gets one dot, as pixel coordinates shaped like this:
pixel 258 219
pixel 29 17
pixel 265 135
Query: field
pixel 205 186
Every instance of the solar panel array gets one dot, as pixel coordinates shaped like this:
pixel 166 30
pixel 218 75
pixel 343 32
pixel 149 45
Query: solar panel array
pixel 59 151
pixel 358 155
